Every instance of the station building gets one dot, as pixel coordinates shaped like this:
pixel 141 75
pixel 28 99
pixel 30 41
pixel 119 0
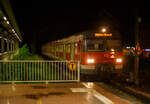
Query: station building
pixel 10 36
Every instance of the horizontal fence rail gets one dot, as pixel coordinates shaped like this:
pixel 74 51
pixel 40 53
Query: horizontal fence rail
pixel 39 71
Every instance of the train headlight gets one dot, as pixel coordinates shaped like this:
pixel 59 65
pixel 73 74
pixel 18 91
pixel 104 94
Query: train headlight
pixel 90 60
pixel 112 50
pixel 119 60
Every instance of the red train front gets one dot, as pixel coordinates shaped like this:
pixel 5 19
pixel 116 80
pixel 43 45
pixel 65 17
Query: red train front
pixel 99 49
pixel 91 48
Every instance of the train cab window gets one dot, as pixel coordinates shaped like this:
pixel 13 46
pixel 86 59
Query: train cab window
pixel 115 44
pixel 95 45
pixel 76 48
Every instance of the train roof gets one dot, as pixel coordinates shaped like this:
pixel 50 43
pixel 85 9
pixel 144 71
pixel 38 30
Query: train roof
pixel 84 35
pixel 75 37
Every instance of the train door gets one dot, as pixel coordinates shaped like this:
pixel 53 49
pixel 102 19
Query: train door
pixel 68 51
pixel 72 51
pixel 80 49
pixel 55 50
pixel 77 50
pixel 64 50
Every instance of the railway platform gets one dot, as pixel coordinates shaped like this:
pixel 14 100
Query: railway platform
pixel 64 93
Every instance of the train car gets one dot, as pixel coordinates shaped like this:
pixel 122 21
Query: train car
pixel 95 50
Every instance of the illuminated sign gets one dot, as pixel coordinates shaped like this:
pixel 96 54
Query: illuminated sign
pixel 147 50
pixel 102 34
pixel 72 66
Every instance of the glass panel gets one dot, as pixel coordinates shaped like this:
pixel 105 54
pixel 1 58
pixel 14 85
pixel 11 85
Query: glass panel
pixel 95 45
pixel 76 48
pixel 61 48
pixel 113 44
pixel 68 48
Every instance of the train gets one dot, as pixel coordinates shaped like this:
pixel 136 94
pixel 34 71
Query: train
pixel 96 50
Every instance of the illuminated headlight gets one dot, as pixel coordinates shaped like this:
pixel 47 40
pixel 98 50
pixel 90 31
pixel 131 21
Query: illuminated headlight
pixel 90 60
pixel 119 60
pixel 112 50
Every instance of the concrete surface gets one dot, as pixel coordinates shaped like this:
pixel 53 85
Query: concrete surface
pixel 61 93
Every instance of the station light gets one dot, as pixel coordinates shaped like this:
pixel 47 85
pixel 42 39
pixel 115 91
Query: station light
pixel 4 18
pixel 127 47
pixel 103 30
pixel 7 22
pixel 13 30
pixel 17 37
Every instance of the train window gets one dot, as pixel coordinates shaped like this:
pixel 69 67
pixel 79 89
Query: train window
pixel 0 46
pixel 50 49
pixel 76 48
pixel 53 49
pixel 57 48
pixel 61 48
pixel 64 46
pixel 115 44
pixel 68 48
pixel 95 45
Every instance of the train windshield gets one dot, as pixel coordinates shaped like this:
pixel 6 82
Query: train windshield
pixel 113 44
pixel 103 45
pixel 95 45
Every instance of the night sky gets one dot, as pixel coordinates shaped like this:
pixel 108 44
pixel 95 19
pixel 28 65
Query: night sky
pixel 40 21
pixel 50 23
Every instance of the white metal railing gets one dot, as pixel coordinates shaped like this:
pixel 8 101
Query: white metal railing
pixel 38 71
